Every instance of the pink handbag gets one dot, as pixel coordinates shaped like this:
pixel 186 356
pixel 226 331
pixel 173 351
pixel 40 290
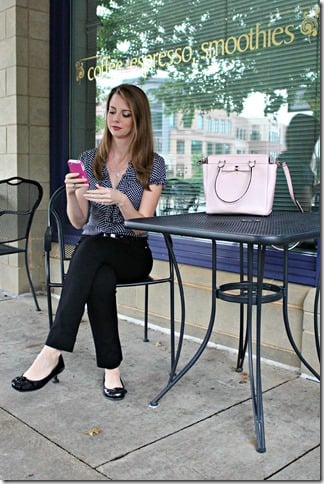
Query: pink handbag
pixel 242 184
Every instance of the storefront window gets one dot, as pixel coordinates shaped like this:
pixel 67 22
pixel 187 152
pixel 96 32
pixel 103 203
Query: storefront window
pixel 222 77
pixel 228 60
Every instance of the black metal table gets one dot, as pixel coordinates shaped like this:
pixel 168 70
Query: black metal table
pixel 253 234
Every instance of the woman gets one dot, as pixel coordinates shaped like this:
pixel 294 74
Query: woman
pixel 125 181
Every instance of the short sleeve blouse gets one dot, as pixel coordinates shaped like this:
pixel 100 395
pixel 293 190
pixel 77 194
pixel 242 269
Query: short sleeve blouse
pixel 108 218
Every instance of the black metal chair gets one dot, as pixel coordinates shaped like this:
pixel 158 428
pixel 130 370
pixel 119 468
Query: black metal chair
pixel 59 229
pixel 19 199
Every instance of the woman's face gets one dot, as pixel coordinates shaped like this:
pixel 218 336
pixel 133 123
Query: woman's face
pixel 119 117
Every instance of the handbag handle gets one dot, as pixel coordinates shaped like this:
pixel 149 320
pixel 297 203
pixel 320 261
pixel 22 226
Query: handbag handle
pixel 221 165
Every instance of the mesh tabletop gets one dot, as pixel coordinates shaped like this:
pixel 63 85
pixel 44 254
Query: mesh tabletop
pixel 277 228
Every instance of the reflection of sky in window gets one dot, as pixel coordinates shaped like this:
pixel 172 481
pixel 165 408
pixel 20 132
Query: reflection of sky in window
pixel 254 107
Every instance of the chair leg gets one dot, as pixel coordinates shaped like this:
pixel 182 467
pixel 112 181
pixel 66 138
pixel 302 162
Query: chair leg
pixel 31 282
pixel 145 339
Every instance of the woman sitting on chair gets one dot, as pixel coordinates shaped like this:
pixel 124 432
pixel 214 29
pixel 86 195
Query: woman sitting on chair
pixel 125 181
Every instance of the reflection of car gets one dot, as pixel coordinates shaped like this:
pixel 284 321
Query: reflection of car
pixel 179 196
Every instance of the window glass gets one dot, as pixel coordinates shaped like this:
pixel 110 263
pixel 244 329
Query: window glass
pixel 180 146
pixel 200 121
pixel 222 77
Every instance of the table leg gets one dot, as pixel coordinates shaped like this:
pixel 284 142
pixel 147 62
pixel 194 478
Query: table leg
pixel 175 355
pixel 286 318
pixel 174 378
pixel 255 377
pixel 243 331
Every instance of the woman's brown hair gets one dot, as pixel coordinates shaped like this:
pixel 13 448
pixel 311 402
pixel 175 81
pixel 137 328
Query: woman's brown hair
pixel 141 145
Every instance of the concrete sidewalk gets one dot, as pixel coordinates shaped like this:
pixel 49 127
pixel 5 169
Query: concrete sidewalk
pixel 202 429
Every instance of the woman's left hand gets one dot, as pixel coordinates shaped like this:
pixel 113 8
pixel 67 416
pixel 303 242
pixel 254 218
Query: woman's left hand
pixel 106 196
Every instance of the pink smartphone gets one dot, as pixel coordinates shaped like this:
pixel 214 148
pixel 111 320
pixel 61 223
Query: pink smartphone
pixel 76 166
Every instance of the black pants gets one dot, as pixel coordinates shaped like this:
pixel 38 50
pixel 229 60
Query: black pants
pixel 98 264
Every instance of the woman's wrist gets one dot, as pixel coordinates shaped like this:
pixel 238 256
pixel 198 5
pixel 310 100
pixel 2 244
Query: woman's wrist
pixel 121 200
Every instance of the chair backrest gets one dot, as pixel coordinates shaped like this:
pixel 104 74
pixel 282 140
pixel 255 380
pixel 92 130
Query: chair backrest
pixel 59 229
pixel 19 199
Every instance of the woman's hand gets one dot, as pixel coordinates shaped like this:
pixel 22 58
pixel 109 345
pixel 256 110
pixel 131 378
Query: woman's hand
pixel 73 182
pixel 77 207
pixel 106 196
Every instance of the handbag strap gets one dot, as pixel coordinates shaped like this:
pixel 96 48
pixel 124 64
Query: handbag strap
pixel 286 171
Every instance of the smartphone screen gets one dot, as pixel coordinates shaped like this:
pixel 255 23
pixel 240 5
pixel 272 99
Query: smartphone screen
pixel 76 166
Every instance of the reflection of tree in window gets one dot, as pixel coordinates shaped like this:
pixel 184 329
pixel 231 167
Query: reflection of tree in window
pixel 203 79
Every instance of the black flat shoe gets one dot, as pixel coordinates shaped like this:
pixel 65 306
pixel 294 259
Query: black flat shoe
pixel 22 384
pixel 117 393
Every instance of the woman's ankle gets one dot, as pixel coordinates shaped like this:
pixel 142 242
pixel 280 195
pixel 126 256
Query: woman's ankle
pixel 50 351
pixel 112 378
pixel 44 362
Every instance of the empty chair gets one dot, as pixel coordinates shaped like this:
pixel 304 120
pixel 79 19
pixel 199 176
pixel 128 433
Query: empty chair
pixel 19 199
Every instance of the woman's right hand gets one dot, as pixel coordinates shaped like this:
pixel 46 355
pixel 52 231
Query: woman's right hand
pixel 73 182
pixel 77 206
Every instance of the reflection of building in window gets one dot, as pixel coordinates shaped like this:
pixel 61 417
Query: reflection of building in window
pixel 274 137
pixel 241 133
pixel 200 121
pixel 187 120
pixel 210 148
pixel 182 137
pixel 180 147
pixel 172 123
pixel 196 147
pixel 255 135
